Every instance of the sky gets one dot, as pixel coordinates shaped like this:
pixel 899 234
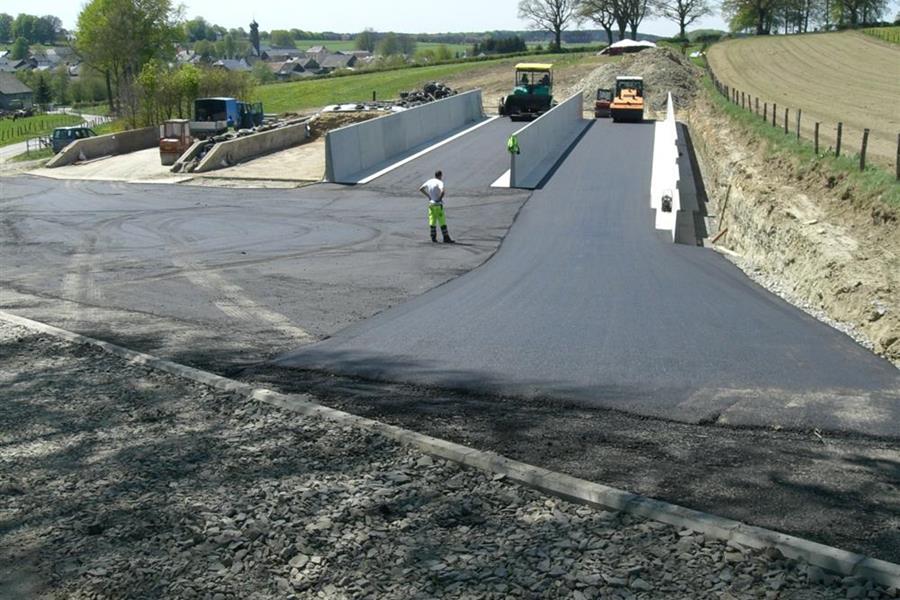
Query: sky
pixel 347 16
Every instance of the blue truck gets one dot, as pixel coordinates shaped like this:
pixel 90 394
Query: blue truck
pixel 216 115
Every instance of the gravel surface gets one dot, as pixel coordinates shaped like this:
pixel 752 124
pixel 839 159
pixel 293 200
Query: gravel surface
pixel 121 482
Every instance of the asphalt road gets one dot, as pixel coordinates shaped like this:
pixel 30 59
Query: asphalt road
pixel 585 302
pixel 221 279
pixel 470 163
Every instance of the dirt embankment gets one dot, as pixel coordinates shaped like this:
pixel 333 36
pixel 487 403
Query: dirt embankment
pixel 804 232
pixel 663 70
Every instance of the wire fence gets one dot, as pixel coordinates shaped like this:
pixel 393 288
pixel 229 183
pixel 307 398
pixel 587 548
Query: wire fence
pixel 791 120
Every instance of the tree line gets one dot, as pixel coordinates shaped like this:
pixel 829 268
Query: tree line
pixel 757 16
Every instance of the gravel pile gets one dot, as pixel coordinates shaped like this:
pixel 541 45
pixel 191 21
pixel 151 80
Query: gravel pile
pixel 663 70
pixel 121 482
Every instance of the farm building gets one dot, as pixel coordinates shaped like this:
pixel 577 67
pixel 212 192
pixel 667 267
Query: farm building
pixel 13 93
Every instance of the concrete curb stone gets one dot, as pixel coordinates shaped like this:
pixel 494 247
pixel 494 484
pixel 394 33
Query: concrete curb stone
pixel 558 484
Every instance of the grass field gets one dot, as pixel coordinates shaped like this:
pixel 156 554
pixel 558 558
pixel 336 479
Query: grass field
pixel 873 181
pixel 888 34
pixel 12 132
pixel 834 77
pixel 303 95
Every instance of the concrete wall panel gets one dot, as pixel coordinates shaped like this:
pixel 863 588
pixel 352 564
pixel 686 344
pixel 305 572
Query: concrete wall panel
pixel 357 149
pixel 544 141
pixel 225 154
pixel 122 142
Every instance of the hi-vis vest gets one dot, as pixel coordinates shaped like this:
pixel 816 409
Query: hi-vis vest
pixel 512 144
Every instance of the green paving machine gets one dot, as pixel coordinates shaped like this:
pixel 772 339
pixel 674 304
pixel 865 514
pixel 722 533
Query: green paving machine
pixel 533 94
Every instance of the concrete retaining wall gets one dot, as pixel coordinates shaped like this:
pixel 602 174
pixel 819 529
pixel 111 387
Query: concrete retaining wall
pixel 226 154
pixel 122 142
pixel 544 141
pixel 352 152
pixel 665 178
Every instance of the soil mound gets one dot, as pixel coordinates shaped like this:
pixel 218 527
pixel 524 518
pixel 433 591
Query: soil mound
pixel 663 70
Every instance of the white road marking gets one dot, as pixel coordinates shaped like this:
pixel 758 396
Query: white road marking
pixel 503 180
pixel 425 151
pixel 236 304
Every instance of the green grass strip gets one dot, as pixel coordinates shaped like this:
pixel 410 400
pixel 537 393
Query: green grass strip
pixel 874 182
pixel 13 132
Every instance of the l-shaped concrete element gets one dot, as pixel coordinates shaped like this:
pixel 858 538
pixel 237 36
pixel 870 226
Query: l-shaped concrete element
pixel 227 154
pixel 665 196
pixel 544 141
pixel 122 142
pixel 354 151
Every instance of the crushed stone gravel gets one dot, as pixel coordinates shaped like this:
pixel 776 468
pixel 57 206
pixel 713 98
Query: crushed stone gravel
pixel 117 481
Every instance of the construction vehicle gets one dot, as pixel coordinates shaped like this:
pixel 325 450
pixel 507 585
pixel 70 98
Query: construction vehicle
pixel 628 101
pixel 601 104
pixel 174 140
pixel 533 94
pixel 213 116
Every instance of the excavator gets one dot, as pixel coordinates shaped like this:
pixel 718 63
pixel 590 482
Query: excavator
pixel 628 101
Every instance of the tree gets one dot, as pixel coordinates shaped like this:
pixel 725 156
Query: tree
pixel 198 29
pixel 59 85
pixel 683 12
pixel 758 15
pixel 389 45
pixel 42 92
pixel 47 29
pixel 279 38
pixel 407 44
pixel 118 37
pixel 601 12
pixel 23 27
pixel 636 10
pixel 229 46
pixel 19 49
pixel 254 36
pixel 366 40
pixel 262 73
pixel 549 15
pixel 6 28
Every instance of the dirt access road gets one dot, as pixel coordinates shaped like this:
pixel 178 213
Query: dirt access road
pixel 836 77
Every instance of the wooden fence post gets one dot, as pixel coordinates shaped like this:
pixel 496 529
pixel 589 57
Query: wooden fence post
pixel 757 105
pixel 817 138
pixel 765 111
pixel 862 152
pixel 742 99
pixel 799 114
pixel 898 157
pixel 837 147
pixel 785 121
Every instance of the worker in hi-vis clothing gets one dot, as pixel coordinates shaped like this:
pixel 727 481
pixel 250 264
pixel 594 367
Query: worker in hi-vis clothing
pixel 433 189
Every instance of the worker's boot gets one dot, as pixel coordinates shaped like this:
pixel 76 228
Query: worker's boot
pixel 446 235
pixel 434 234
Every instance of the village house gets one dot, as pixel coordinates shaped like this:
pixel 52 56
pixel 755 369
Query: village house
pixel 13 93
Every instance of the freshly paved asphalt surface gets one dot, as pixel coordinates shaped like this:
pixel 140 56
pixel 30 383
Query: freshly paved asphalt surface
pixel 585 302
pixel 470 163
